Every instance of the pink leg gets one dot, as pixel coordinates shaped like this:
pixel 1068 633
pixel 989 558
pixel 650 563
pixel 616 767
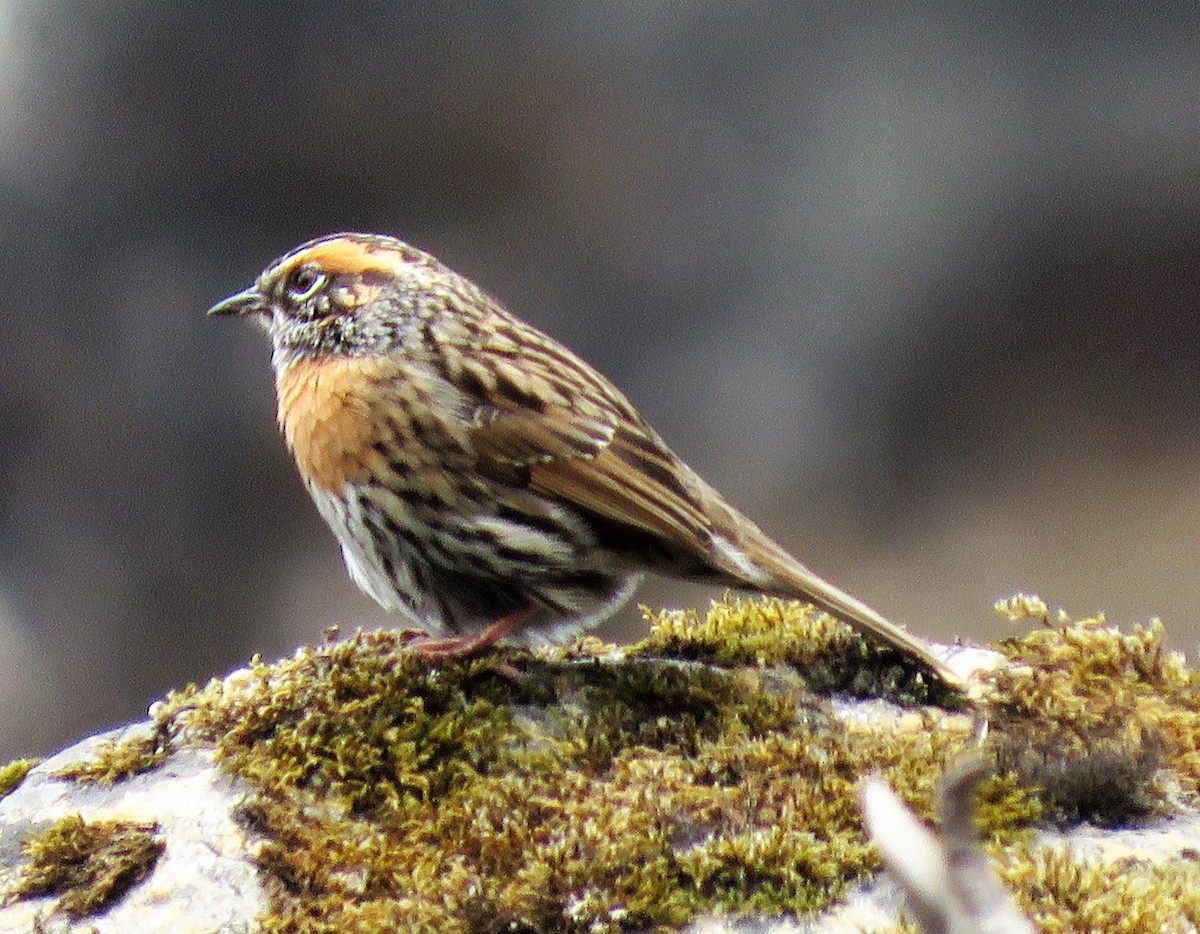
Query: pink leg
pixel 466 646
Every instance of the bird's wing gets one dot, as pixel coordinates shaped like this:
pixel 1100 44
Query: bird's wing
pixel 569 434
pixel 566 433
pixel 621 472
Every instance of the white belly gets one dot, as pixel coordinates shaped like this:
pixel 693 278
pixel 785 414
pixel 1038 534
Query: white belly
pixel 396 592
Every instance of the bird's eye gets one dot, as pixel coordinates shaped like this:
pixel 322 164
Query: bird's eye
pixel 303 283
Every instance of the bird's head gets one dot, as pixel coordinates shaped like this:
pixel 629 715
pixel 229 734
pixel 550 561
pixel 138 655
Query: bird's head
pixel 347 294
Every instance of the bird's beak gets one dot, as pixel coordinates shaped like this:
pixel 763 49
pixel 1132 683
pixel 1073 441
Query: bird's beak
pixel 245 302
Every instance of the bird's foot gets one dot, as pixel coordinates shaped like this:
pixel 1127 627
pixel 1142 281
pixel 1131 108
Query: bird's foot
pixel 468 646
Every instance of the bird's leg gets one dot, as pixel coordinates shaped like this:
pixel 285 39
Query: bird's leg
pixel 466 646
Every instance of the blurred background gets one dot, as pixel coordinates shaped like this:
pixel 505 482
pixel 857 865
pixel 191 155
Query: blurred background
pixel 916 289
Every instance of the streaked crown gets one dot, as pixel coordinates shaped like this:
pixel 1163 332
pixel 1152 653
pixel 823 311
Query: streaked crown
pixel 344 294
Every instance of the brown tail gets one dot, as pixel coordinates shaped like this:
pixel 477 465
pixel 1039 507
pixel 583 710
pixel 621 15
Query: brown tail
pixel 787 577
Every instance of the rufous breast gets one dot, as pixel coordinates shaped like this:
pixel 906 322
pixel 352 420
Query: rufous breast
pixel 325 411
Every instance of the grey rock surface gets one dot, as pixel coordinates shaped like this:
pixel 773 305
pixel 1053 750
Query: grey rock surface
pixel 205 879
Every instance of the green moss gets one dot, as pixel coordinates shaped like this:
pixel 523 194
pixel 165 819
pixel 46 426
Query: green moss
pixel 1007 809
pixel 701 771
pixel 116 761
pixel 13 774
pixel 87 865
pixel 1062 893
pixel 1091 714
pixel 827 652
pixel 580 794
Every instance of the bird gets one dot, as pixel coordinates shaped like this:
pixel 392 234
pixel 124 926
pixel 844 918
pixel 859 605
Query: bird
pixel 484 481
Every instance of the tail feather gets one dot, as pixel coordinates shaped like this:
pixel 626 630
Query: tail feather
pixel 759 562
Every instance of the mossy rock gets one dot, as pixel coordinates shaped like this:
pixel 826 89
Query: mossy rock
pixel 708 771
